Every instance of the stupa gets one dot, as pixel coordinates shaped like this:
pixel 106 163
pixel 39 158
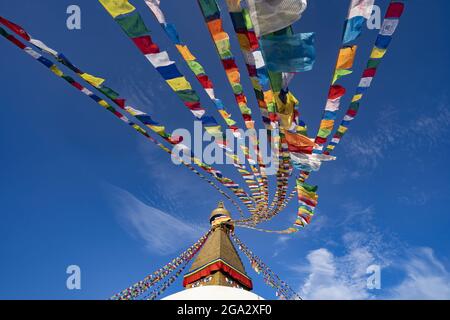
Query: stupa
pixel 217 273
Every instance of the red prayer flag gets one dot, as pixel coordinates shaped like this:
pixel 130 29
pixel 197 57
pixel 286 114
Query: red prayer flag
pixel 229 64
pixel 16 41
pixel 335 92
pixel 253 40
pixel 369 73
pixel 205 82
pixel 320 140
pixel 120 102
pixel 395 10
pixel 251 70
pixel 351 113
pixel 146 45
pixel 15 28
pixel 193 105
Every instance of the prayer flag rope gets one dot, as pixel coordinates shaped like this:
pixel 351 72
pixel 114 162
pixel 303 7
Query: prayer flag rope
pixel 358 13
pixel 264 82
pixel 212 16
pixel 207 84
pixel 149 281
pixel 134 27
pixel 388 28
pixel 52 67
pixel 283 290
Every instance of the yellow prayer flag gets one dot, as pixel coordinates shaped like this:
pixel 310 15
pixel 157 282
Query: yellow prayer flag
pixel 346 57
pixel 286 110
pixel 178 84
pixel 96 82
pixel 327 124
pixel 136 127
pixel 357 97
pixel 244 41
pixel 233 76
pixel 103 103
pixel 214 130
pixel 268 96
pixel 224 114
pixel 56 71
pixel 158 129
pixel 184 50
pixel 342 129
pixel 377 53
pixel 117 7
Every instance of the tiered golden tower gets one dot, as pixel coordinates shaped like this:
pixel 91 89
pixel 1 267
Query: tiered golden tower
pixel 218 262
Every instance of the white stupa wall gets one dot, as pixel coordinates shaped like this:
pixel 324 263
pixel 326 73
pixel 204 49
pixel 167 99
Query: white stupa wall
pixel 214 293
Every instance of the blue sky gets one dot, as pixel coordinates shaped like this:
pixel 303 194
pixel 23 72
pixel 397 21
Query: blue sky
pixel 79 187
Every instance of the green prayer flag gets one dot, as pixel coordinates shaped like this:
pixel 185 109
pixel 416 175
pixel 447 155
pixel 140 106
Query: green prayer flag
pixel 339 73
pixel 373 63
pixel 110 93
pixel 245 110
pixel 307 187
pixel 188 95
pixel 133 25
pixel 247 19
pixel 354 106
pixel 209 8
pixel 237 88
pixel 323 133
pixel 196 67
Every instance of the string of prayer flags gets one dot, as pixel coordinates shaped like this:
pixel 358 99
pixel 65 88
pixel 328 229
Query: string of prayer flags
pixel 259 75
pixel 135 28
pixel 266 94
pixel 195 66
pixel 55 70
pixel 149 281
pixel 307 198
pixel 212 16
pixel 269 277
pixel 254 60
pixel 389 26
pixel 205 82
pixel 133 25
pixel 359 11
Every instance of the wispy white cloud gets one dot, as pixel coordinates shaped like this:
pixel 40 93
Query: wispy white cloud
pixel 331 277
pixel 161 232
pixel 344 277
pixel 339 271
pixel 419 134
pixel 426 277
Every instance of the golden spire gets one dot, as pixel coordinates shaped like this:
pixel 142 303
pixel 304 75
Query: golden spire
pixel 219 215
pixel 218 262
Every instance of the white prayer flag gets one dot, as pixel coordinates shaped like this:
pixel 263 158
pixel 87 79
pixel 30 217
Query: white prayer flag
pixel 273 15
